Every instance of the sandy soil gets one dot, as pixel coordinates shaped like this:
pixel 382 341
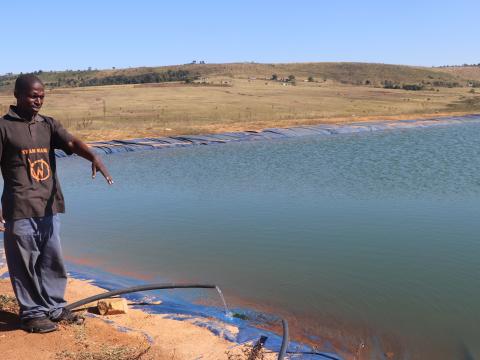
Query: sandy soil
pixel 151 336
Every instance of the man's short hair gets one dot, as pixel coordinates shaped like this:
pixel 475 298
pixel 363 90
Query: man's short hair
pixel 25 82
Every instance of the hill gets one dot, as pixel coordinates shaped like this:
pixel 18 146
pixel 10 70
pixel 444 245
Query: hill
pixel 345 73
pixel 471 72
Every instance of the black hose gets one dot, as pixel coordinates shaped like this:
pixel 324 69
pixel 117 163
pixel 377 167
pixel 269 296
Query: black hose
pixel 136 289
pixel 285 340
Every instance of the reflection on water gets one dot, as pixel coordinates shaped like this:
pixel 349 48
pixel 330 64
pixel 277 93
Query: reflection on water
pixel 371 231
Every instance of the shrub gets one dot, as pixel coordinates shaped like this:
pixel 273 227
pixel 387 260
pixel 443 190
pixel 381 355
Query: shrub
pixel 449 84
pixel 389 84
pixel 412 87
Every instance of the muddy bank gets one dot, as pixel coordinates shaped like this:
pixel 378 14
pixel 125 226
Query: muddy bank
pixel 135 335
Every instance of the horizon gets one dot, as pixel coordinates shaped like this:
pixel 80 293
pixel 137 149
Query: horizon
pixel 146 33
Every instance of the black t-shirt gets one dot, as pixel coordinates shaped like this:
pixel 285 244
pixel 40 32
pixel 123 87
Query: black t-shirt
pixel 27 159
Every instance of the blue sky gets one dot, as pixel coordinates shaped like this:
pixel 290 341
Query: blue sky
pixel 57 35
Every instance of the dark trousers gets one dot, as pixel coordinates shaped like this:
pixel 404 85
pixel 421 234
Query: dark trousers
pixel 35 264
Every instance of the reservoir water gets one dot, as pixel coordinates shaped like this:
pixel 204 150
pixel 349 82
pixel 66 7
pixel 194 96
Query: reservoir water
pixel 367 238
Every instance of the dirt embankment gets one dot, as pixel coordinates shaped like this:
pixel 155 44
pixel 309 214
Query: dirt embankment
pixel 148 336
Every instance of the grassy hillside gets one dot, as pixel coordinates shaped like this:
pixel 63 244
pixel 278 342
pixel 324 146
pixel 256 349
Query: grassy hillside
pixel 462 72
pixel 345 73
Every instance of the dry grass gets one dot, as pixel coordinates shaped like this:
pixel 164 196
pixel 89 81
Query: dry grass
pixel 8 303
pixel 88 348
pixel 128 111
pixel 105 352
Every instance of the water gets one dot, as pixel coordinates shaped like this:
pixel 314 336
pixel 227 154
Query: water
pixel 228 314
pixel 368 238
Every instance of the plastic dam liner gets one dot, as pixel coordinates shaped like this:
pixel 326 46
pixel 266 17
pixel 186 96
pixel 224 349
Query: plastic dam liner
pixel 119 146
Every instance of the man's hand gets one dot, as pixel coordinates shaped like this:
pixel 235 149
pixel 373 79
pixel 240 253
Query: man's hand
pixel 2 222
pixel 97 165
pixel 81 149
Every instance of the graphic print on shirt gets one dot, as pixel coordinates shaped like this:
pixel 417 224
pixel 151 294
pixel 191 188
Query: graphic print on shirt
pixel 39 169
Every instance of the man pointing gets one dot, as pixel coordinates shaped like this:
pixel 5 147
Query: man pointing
pixel 31 201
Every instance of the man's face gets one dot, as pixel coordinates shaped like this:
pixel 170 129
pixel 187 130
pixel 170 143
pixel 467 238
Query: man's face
pixel 31 100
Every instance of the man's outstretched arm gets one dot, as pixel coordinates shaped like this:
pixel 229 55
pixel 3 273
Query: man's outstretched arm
pixel 78 147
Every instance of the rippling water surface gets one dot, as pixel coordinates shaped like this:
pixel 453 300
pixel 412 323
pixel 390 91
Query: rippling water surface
pixel 371 234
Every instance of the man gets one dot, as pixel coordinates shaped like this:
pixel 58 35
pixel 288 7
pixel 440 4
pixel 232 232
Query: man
pixel 31 202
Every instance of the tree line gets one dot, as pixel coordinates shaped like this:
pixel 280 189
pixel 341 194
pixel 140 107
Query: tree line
pixel 389 84
pixel 78 79
pixel 151 77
